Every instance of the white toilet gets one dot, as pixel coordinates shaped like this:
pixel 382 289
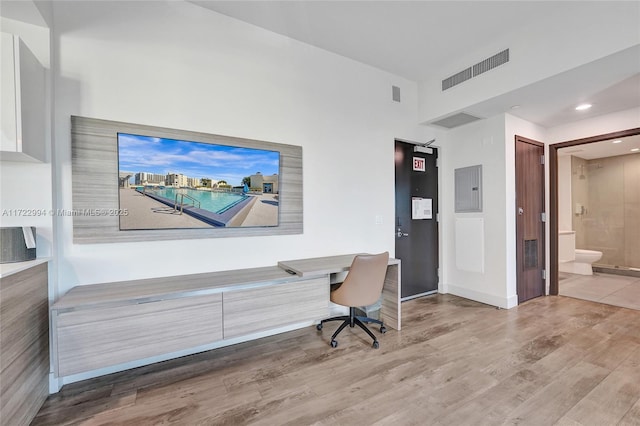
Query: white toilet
pixel 572 260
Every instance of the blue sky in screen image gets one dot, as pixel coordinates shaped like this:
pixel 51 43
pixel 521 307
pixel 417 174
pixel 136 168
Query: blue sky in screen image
pixel 193 159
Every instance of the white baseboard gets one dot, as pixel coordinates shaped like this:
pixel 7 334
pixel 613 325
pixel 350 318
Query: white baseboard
pixel 55 383
pixel 489 299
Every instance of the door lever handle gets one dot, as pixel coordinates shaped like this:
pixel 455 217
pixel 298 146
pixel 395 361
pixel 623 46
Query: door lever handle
pixel 401 234
pixel 520 211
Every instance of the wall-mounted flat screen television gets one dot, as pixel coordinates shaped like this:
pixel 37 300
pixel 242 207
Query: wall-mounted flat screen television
pixel 178 184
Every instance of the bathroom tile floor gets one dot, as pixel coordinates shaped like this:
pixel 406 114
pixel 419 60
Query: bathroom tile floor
pixel 611 289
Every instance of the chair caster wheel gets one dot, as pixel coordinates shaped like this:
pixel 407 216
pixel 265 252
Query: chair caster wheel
pixel 334 343
pixel 376 345
pixel 383 329
pixel 319 327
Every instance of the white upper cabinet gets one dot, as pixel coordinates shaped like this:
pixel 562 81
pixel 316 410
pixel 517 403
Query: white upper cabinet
pixel 22 104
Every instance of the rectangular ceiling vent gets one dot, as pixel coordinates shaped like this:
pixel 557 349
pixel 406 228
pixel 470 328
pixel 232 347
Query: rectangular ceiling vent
pixel 491 63
pixel 395 93
pixel 456 79
pixel 456 120
pixel 477 69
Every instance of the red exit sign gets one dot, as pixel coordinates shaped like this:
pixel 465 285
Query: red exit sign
pixel 418 164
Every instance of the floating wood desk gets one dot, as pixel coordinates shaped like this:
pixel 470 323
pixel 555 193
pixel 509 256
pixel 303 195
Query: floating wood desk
pixel 390 312
pixel 110 324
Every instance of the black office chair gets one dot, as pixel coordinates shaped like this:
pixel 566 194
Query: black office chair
pixel 362 287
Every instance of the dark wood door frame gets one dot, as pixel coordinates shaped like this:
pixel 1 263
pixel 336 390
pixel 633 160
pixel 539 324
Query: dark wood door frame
pixel 553 195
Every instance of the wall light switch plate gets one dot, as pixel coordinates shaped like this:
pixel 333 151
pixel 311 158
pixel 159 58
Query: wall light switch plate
pixel 379 220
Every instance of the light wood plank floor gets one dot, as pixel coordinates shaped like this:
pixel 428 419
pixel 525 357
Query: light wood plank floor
pixel 552 360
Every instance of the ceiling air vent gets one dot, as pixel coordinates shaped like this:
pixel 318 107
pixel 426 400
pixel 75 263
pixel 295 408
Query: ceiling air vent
pixel 455 79
pixel 456 120
pixel 477 69
pixel 491 63
pixel 395 93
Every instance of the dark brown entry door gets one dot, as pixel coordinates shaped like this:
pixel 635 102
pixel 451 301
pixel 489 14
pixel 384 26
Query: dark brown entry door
pixel 529 218
pixel 416 221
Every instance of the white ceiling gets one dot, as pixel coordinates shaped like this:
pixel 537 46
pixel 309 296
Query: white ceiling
pixel 407 38
pixel 609 84
pixel 414 39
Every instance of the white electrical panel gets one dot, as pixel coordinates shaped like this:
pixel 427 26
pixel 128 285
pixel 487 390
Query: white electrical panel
pixel 468 183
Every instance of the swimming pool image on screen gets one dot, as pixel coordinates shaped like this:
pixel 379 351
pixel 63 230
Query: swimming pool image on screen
pixel 217 202
pixel 177 184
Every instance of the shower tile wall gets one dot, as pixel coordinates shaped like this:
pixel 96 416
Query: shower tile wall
pixel 609 189
pixel 579 195
pixel 632 210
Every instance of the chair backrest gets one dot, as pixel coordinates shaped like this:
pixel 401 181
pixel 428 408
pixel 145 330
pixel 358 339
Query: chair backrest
pixel 364 282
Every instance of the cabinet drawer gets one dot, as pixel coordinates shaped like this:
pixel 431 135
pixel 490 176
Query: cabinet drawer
pixel 97 338
pixel 253 310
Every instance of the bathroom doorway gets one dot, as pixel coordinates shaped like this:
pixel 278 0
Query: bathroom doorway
pixel 594 195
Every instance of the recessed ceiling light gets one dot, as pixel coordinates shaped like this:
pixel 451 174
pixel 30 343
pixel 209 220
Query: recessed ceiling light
pixel 635 150
pixel 583 107
pixel 617 141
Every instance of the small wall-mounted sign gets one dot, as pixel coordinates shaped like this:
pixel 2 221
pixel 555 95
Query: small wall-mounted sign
pixel 421 208
pixel 418 164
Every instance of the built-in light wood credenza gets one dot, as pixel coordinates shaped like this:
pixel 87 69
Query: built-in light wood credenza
pixel 24 341
pixel 105 325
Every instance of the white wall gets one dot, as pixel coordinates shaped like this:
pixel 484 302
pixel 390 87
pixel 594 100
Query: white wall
pixel 578 33
pixel 482 142
pixel 489 142
pixel 25 200
pixel 176 65
pixel 25 187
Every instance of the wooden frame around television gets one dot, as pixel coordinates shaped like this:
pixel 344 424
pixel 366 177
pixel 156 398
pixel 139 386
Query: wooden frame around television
pixel 94 147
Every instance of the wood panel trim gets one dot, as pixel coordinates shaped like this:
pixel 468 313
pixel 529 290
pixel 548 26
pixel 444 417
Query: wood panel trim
pixel 553 195
pixel 95 176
